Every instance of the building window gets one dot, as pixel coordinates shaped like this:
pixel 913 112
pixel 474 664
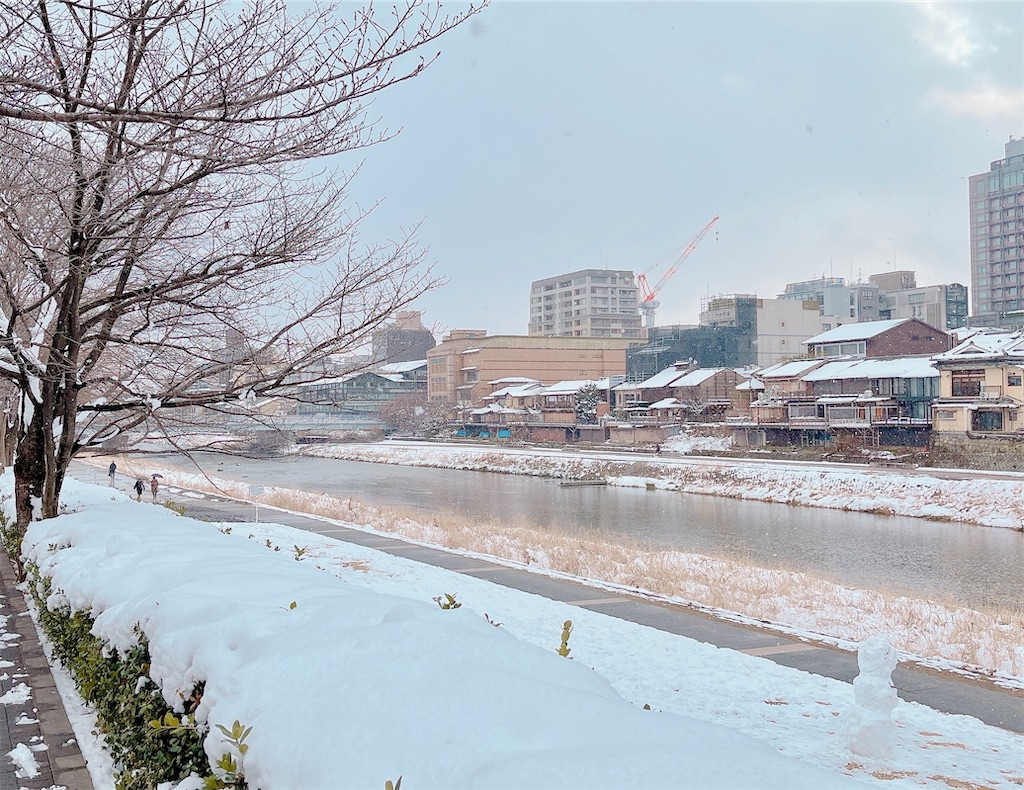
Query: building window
pixel 967 383
pixel 987 421
pixel 1013 379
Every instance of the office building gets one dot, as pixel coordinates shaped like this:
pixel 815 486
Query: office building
pixel 997 241
pixel 586 303
pixel 854 302
pixel 775 328
pixel 942 306
pixel 462 368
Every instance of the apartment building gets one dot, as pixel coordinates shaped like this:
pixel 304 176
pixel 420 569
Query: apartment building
pixel 997 241
pixel 467 365
pixel 777 327
pixel 586 303
pixel 854 302
pixel 942 306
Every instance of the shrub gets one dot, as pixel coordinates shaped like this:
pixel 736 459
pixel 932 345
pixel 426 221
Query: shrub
pixel 126 701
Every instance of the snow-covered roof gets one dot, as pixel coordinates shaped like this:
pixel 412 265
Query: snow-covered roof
pixel 751 384
pixel 663 378
pixel 695 377
pixel 831 370
pixel 987 344
pixel 566 387
pixel 403 367
pixel 514 380
pixel 790 370
pixel 865 330
pixel 666 403
pixel 608 383
pixel 515 391
pixel 897 368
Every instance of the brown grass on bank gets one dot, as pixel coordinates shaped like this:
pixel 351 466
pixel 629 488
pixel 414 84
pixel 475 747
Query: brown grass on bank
pixel 992 639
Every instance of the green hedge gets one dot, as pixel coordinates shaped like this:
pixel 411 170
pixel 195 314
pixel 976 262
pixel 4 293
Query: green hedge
pixel 148 742
pixel 126 701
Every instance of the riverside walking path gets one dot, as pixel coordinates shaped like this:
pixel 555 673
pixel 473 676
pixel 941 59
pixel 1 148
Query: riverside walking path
pixel 944 691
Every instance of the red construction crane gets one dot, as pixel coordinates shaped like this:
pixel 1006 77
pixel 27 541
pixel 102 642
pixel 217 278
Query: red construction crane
pixel 648 303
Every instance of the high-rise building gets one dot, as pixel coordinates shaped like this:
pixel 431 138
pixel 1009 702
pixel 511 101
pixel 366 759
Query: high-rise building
pixel 587 303
pixel 997 241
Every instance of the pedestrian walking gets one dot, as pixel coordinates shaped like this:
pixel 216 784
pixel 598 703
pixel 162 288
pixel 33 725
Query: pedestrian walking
pixel 110 472
pixel 154 485
pixel 138 490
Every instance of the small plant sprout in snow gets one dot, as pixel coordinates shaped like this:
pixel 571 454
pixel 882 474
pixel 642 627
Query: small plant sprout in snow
pixel 447 601
pixel 298 552
pixel 230 774
pixel 389 785
pixel 564 648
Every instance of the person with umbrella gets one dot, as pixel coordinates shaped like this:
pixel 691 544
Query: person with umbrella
pixel 154 484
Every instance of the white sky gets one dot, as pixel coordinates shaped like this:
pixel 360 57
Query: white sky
pixel 831 138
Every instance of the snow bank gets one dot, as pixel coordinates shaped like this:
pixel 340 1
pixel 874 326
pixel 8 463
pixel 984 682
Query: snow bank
pixel 992 503
pixel 346 687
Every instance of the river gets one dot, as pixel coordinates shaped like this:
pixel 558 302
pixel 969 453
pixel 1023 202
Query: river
pixel 970 565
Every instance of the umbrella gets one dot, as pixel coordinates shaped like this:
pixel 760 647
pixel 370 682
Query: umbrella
pixel 157 474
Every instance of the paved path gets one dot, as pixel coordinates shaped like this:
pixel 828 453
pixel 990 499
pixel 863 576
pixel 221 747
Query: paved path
pixel 943 691
pixel 40 719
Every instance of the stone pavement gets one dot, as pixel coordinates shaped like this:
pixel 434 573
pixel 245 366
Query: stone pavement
pixel 36 717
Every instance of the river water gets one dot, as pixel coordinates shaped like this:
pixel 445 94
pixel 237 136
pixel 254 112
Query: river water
pixel 971 565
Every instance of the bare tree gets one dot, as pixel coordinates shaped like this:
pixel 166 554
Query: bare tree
pixel 156 197
pixel 413 413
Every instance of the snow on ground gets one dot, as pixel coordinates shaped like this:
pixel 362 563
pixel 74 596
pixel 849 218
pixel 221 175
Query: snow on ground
pixel 944 635
pixel 994 503
pixel 365 678
pixel 686 443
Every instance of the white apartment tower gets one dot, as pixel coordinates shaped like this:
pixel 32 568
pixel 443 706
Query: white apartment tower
pixel 587 303
pixel 997 241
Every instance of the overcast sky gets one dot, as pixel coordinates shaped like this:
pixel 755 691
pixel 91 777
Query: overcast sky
pixel 831 139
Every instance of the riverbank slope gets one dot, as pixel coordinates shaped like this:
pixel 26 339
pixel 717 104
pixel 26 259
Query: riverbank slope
pixel 971 500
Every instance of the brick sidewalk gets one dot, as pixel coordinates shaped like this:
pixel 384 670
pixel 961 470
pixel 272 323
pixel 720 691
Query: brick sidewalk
pixel 41 719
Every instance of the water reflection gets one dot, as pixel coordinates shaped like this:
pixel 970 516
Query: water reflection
pixel 971 565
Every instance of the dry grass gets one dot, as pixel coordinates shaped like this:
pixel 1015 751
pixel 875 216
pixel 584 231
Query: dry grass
pixel 992 640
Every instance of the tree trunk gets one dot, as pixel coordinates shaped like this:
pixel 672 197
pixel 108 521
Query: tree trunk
pixel 29 480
